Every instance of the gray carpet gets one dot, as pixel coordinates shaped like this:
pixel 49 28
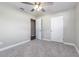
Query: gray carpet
pixel 41 48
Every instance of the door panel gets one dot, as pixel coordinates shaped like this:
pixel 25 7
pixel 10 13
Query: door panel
pixel 38 28
pixel 57 29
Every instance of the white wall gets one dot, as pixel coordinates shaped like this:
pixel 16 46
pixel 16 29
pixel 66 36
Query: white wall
pixel 14 25
pixel 69 25
pixel 77 25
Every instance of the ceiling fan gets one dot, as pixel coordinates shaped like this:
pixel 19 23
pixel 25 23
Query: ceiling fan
pixel 38 6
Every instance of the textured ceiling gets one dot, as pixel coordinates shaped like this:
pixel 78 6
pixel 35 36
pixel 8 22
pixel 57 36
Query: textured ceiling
pixel 56 7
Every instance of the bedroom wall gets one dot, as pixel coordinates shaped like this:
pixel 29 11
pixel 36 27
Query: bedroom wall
pixel 69 25
pixel 14 25
pixel 77 25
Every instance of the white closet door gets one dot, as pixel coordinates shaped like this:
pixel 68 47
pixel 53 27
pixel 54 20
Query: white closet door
pixel 38 28
pixel 57 29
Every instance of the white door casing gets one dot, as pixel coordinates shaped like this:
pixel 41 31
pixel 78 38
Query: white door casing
pixel 38 28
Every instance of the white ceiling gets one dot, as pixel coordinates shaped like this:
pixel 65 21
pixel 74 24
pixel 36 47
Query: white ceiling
pixel 56 7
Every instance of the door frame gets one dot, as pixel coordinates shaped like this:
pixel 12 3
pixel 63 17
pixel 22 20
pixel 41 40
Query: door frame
pixel 33 37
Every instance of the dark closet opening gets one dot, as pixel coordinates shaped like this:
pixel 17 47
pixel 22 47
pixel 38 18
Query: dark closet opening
pixel 33 29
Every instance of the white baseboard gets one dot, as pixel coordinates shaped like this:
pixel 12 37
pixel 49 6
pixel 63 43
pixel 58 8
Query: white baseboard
pixel 76 49
pixel 61 42
pixel 11 46
pixel 47 39
pixel 67 44
pixel 72 45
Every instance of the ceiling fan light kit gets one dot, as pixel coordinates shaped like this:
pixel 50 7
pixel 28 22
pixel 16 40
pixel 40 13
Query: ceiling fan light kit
pixel 38 6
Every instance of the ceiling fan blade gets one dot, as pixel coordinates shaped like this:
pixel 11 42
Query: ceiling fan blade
pixel 35 3
pixel 43 9
pixel 32 10
pixel 29 3
pixel 22 9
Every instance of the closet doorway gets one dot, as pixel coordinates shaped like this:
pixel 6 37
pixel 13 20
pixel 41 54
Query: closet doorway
pixel 33 29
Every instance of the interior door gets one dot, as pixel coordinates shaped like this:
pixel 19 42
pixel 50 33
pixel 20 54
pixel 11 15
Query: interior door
pixel 57 29
pixel 38 28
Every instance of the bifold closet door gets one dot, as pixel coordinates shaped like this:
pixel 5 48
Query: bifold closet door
pixel 57 29
pixel 38 28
